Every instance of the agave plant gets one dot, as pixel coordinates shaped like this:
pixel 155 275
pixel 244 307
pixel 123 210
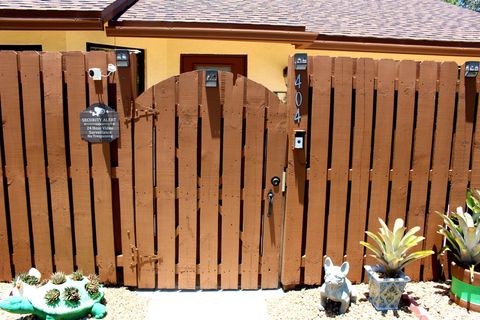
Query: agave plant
pixel 462 232
pixel 393 247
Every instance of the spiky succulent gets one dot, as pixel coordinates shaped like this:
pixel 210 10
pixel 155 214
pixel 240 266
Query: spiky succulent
pixel 52 296
pixel 473 204
pixel 42 283
pixel 463 235
pixel 393 247
pixel 28 279
pixel 93 278
pixel 71 295
pixel 92 288
pixel 58 278
pixel 77 276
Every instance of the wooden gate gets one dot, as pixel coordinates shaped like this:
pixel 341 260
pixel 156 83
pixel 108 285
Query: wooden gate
pixel 204 160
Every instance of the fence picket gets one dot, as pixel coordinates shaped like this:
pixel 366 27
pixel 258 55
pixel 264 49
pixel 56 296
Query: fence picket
pixel 36 168
pixel 231 178
pixel 340 159
pixel 57 167
pixel 102 184
pixel 440 165
pixel 14 161
pixel 187 179
pixel 79 166
pixel 362 144
pixel 165 139
pixel 407 71
pixel 422 153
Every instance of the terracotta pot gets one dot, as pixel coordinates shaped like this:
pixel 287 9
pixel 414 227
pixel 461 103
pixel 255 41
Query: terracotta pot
pixel 464 291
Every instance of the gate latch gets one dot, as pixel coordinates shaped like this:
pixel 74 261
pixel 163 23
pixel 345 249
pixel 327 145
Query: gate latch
pixel 270 203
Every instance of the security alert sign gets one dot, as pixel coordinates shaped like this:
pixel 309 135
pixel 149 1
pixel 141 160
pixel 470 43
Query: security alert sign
pixel 99 124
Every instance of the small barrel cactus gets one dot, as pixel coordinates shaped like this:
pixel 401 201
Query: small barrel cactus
pixel 58 278
pixel 77 275
pixel 71 295
pixel 52 296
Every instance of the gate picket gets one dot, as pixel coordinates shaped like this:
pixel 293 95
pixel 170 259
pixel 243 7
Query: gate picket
pixel 272 222
pixel 36 169
pixel 231 178
pixel 102 184
pixel 187 179
pixel 57 169
pixel 209 184
pixel 252 188
pixel 362 144
pixel 79 166
pixel 14 161
pixel 165 150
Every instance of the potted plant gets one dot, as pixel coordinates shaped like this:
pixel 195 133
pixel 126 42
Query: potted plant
pixel 462 231
pixel 387 280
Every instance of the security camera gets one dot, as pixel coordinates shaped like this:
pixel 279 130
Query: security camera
pixel 95 73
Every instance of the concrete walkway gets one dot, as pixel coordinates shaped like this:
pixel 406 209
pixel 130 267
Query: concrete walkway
pixel 211 305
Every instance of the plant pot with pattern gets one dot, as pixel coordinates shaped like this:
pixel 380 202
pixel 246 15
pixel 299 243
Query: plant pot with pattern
pixel 387 281
pixel 462 232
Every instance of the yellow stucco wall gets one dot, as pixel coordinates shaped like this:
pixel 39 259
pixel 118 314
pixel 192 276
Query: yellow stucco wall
pixel 265 60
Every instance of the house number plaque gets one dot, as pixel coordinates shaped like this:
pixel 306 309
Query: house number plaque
pixel 300 62
pixel 99 124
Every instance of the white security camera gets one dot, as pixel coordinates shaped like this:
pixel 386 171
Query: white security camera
pixel 95 73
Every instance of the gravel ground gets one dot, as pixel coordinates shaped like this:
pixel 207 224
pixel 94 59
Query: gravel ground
pixel 121 304
pixel 433 296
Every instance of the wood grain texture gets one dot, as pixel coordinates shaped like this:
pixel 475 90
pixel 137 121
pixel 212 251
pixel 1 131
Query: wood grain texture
pixel 210 111
pixel 252 189
pixel 275 163
pixel 57 166
pixel 296 177
pixel 143 166
pixel 14 161
pixel 362 144
pixel 342 114
pixel 231 175
pixel 440 165
pixel 403 138
pixel 187 179
pixel 79 164
pixel 165 151
pixel 321 82
pixel 124 81
pixel 29 63
pixel 422 154
pixel 102 184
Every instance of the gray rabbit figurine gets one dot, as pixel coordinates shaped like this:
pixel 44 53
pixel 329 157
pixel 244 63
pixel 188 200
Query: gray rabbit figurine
pixel 337 287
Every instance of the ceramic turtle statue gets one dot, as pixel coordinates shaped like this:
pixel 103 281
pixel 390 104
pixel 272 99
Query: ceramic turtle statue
pixel 61 298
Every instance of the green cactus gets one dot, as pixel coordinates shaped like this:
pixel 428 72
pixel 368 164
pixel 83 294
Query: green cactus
pixel 77 276
pixel 58 278
pixel 52 296
pixel 71 295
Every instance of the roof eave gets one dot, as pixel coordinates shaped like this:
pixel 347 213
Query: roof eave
pixel 50 24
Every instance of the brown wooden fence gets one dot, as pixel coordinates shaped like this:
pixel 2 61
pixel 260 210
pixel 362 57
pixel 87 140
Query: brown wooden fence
pixel 387 139
pixel 181 199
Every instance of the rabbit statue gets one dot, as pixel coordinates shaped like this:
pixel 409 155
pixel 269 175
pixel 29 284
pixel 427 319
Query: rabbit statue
pixel 337 287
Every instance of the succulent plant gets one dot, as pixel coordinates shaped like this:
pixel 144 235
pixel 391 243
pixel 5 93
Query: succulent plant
pixel 92 288
pixel 93 278
pixel 77 276
pixel 462 232
pixel 42 283
pixel 71 295
pixel 473 204
pixel 393 247
pixel 58 278
pixel 28 279
pixel 52 296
